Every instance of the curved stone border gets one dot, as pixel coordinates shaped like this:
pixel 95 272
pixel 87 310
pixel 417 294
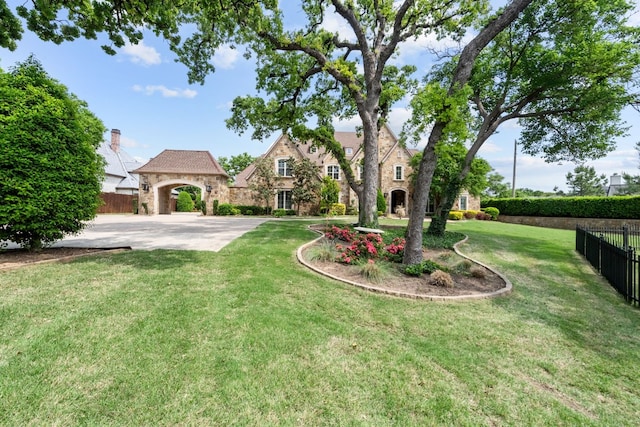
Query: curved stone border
pixel 68 258
pixel 503 291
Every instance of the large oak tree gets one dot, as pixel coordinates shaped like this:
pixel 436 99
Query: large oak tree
pixel 308 74
pixel 564 70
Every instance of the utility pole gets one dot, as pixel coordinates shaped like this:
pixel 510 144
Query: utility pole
pixel 513 181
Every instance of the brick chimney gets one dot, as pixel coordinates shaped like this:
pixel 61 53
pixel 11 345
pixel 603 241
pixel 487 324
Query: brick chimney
pixel 115 140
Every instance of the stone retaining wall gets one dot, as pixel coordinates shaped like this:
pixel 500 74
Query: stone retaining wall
pixel 567 223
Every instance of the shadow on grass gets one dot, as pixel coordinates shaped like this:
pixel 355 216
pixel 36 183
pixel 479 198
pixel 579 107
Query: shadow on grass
pixel 553 285
pixel 158 259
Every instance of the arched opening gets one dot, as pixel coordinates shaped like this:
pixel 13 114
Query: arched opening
pixel 164 200
pixel 398 200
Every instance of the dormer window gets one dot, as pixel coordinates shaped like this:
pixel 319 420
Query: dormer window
pixel 313 149
pixel 348 151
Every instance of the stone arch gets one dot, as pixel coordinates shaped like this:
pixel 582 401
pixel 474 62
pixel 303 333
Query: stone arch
pixel 399 197
pixel 162 193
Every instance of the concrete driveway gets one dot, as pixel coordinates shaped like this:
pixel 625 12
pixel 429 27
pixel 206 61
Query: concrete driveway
pixel 175 231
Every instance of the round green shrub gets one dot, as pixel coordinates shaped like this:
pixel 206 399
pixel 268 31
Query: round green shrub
pixel 225 209
pixel 185 202
pixel 493 212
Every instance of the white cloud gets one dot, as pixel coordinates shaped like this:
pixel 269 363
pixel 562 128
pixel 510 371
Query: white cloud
pixel 142 54
pixel 165 92
pixel 488 148
pixel 225 57
pixel 131 143
pixel 334 23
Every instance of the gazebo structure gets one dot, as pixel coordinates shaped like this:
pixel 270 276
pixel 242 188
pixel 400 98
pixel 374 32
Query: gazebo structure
pixel 177 168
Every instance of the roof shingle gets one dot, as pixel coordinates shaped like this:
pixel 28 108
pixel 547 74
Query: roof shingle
pixel 183 161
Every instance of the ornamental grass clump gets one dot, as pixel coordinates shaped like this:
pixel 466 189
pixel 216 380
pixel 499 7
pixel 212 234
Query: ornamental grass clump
pixel 372 271
pixel 441 278
pixel 323 252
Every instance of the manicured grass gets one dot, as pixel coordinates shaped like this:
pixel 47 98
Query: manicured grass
pixel 247 336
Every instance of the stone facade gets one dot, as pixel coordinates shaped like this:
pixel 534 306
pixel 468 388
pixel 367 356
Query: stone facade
pixel 393 177
pixel 177 168
pixel 155 191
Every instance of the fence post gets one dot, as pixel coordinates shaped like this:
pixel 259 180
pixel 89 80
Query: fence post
pixel 631 292
pixel 625 236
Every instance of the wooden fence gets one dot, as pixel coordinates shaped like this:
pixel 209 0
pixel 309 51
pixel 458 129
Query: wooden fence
pixel 118 203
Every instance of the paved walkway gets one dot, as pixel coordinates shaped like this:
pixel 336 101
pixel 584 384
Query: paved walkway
pixel 175 231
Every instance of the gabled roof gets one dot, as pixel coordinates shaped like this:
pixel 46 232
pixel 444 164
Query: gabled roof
pixel 117 163
pixel 120 164
pixel 241 180
pixel 183 161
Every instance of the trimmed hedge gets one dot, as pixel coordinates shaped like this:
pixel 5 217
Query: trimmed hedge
pixel 456 215
pixel 251 210
pixel 620 207
pixel 225 209
pixel 278 213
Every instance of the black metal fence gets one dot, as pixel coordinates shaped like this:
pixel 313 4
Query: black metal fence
pixel 613 253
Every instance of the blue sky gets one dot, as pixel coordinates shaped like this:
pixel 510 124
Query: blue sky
pixel 143 92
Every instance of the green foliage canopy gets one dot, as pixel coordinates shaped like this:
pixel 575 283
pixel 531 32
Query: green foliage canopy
pixel 563 69
pixel 305 72
pixel 584 181
pixel 265 182
pixel 306 183
pixel 50 172
pixel 235 164
pixel 329 192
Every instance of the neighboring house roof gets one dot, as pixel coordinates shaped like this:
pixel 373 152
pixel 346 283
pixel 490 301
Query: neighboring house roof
pixel 616 185
pixel 183 161
pixel 119 164
pixel 241 180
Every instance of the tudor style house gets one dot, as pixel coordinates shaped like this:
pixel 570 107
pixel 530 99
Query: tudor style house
pixel 393 176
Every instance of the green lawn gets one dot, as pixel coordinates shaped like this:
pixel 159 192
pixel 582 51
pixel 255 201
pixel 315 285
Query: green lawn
pixel 247 336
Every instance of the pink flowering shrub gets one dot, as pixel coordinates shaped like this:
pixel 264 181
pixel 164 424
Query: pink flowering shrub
pixel 363 246
pixel 338 233
pixel 395 250
pixel 355 248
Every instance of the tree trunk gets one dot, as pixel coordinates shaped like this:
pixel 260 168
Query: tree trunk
pixel 461 75
pixel 368 214
pixel 420 199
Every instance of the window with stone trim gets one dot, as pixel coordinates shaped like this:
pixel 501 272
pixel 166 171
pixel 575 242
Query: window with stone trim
pixel 334 172
pixel 284 168
pixel 284 199
pixel 463 203
pixel 398 173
